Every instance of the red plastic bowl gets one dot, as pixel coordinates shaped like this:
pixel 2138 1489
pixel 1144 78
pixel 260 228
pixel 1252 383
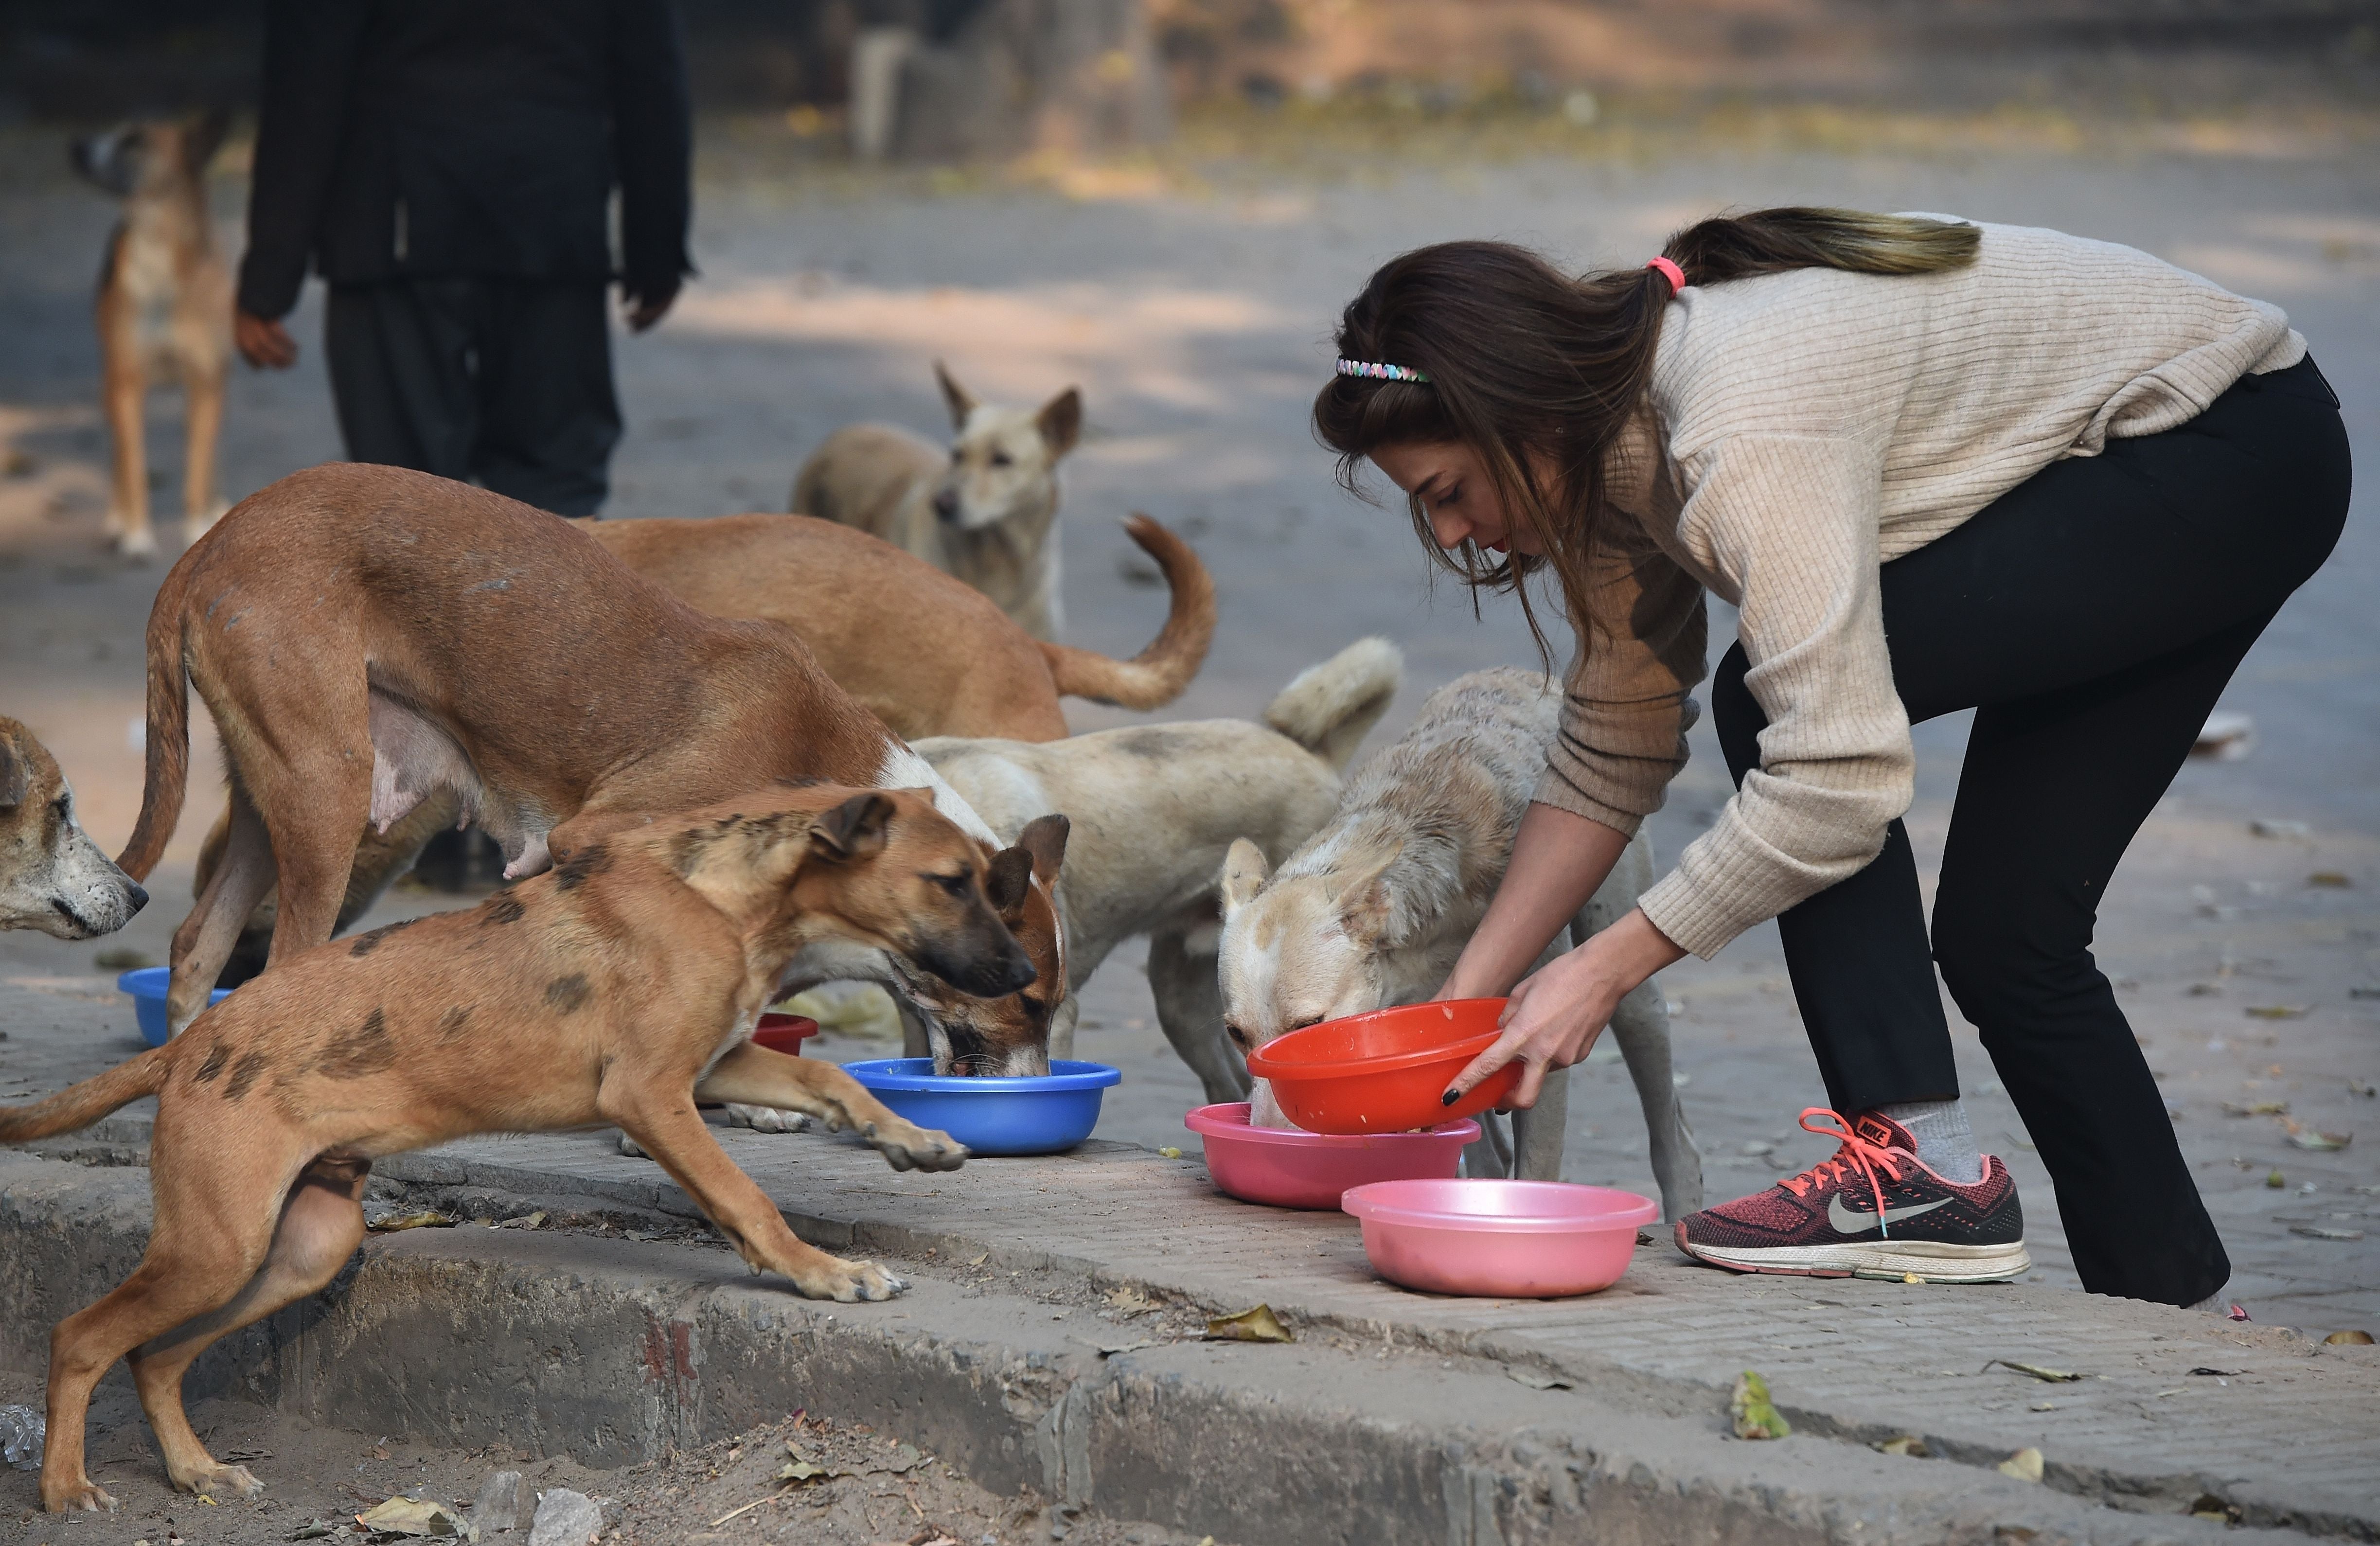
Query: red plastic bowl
pixel 1291 1169
pixel 784 1033
pixel 1384 1072
pixel 1499 1240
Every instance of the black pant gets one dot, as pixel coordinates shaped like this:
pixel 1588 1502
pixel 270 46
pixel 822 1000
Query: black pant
pixel 506 382
pixel 2091 617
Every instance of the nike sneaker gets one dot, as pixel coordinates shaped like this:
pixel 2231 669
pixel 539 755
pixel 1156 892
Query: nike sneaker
pixel 1874 1210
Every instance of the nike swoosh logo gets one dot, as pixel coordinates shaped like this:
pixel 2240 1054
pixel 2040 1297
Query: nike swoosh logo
pixel 1846 1222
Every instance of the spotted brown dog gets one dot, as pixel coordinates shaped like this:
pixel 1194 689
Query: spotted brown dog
pixel 620 988
pixel 370 639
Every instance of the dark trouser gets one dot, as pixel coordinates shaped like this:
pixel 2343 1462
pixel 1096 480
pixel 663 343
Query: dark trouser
pixel 2091 617
pixel 506 382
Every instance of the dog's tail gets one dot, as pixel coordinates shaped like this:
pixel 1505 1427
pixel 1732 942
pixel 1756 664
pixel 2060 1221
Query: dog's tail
pixel 1156 675
pixel 168 744
pixel 1329 707
pixel 82 1104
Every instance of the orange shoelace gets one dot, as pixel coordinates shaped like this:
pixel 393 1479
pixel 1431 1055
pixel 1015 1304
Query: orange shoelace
pixel 1855 1155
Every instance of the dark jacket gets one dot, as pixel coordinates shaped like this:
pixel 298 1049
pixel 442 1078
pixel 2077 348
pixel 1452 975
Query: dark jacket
pixel 417 138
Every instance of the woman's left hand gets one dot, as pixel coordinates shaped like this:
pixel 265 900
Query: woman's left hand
pixel 1555 1015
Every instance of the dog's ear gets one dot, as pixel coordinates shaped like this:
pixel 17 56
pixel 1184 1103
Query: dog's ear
pixel 1061 421
pixel 1245 872
pixel 1044 837
pixel 202 136
pixel 15 782
pixel 854 829
pixel 961 401
pixel 1366 907
pixel 1008 881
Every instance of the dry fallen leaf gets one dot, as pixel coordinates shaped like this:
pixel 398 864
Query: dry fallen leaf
pixel 2024 1465
pixel 1536 1381
pixel 428 1218
pixel 413 1517
pixel 2336 879
pixel 901 1462
pixel 2257 1108
pixel 1250 1325
pixel 2277 1180
pixel 2324 1232
pixel 1756 1416
pixel 2278 1011
pixel 1130 1300
pixel 526 1221
pixel 2348 1339
pixel 1170 1152
pixel 2054 1376
pixel 2306 1137
pixel 1908 1443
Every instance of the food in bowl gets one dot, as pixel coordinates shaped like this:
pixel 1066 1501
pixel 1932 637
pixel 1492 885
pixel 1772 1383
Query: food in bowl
pixel 1285 1168
pixel 1040 1113
pixel 1499 1240
pixel 1384 1072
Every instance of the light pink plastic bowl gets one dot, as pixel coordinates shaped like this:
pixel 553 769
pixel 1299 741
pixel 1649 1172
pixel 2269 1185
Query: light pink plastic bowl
pixel 1291 1169
pixel 1499 1240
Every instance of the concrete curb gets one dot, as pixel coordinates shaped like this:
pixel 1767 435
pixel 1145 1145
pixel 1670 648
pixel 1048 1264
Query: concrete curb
pixel 614 1351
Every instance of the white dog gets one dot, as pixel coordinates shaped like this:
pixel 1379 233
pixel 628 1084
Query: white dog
pixel 1373 910
pixel 986 509
pixel 53 877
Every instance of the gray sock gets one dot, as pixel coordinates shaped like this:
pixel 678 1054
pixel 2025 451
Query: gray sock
pixel 1946 1145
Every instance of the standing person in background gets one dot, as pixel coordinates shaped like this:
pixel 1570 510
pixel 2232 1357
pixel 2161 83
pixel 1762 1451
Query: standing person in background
pixel 448 168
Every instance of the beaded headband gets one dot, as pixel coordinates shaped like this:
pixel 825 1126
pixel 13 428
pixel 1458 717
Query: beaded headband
pixel 1380 372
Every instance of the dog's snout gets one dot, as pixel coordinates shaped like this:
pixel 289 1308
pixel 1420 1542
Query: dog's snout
pixel 1007 972
pixel 137 894
pixel 946 504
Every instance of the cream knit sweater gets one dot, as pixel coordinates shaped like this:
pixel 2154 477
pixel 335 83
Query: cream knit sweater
pixel 1803 428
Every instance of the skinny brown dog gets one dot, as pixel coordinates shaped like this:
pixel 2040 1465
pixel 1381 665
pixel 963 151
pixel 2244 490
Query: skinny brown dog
pixel 927 652
pixel 369 637
pixel 619 989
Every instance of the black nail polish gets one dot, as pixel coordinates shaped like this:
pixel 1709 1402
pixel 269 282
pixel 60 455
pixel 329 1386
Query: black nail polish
pixel 1449 1098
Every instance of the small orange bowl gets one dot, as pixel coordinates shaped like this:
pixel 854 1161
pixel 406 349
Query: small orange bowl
pixel 1385 1071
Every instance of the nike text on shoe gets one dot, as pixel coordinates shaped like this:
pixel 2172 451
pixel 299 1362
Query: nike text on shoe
pixel 1871 1211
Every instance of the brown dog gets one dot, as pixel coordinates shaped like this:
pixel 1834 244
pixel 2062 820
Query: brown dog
pixel 53 877
pixel 368 638
pixel 164 309
pixel 930 654
pixel 619 989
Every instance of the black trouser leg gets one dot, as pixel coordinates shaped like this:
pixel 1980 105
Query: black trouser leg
pixel 402 356
pixel 506 382
pixel 2092 615
pixel 549 416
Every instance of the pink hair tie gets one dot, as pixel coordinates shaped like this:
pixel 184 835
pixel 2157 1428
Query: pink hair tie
pixel 1670 272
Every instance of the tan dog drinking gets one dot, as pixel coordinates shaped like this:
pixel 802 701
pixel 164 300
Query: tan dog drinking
pixel 617 989
pixel 370 639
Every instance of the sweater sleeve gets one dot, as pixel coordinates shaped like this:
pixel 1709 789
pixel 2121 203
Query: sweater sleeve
pixel 653 147
pixel 310 49
pixel 1792 521
pixel 1624 707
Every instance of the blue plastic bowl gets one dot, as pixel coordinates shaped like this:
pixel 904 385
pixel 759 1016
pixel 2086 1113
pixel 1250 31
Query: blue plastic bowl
pixel 147 985
pixel 1038 1115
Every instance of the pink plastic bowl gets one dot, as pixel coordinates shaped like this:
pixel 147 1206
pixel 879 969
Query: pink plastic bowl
pixel 1499 1240
pixel 1291 1169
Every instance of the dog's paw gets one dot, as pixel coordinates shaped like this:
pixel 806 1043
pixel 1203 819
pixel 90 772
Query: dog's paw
pixel 767 1119
pixel 83 1496
pixel 849 1282
pixel 906 1146
pixel 140 542
pixel 221 1481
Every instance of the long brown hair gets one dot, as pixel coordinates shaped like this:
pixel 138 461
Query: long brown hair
pixel 1540 372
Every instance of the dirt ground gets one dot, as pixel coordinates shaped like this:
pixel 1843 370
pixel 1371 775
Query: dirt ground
pixel 872 1487
pixel 1190 295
